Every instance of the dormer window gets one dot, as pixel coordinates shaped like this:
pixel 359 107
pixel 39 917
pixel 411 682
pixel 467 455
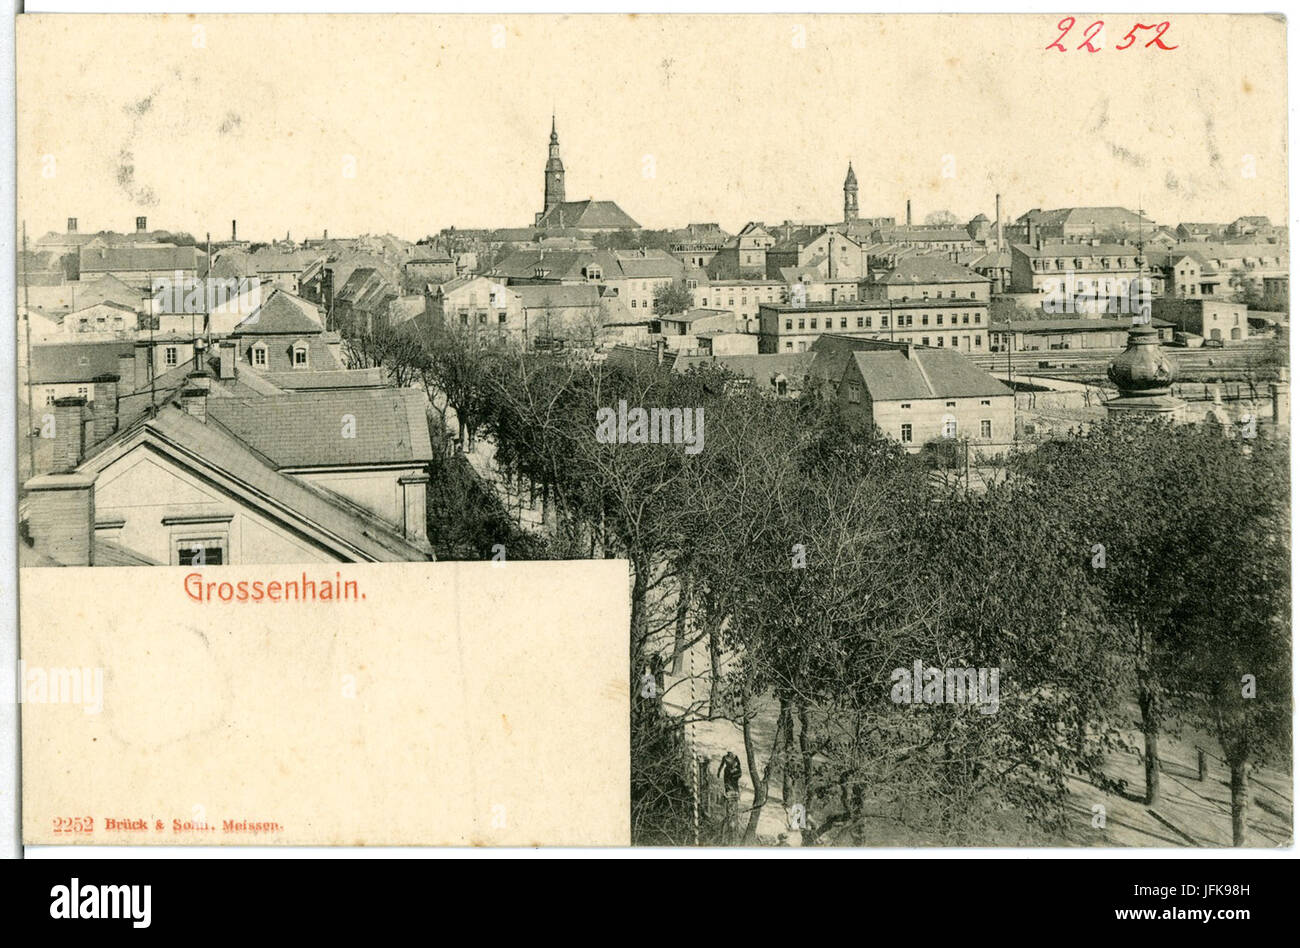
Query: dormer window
pixel 300 355
pixel 258 354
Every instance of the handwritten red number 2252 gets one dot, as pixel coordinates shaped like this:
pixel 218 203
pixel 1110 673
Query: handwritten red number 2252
pixel 1096 26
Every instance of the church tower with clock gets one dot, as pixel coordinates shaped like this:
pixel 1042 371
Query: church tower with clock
pixel 554 190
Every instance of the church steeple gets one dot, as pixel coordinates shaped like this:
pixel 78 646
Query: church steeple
pixel 553 192
pixel 850 195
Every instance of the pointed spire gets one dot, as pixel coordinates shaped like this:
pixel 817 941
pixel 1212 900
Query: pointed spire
pixel 555 138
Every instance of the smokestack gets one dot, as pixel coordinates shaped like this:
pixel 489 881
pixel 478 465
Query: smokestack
pixel 61 517
pixel 234 231
pixel 997 204
pixel 414 513
pixel 909 212
pixel 72 225
pixel 69 433
pixel 104 411
pixel 195 397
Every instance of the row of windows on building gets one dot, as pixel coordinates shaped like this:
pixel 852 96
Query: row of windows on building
pixel 948 430
pixel 904 321
pixel 977 342
pixel 1079 263
pixel 925 295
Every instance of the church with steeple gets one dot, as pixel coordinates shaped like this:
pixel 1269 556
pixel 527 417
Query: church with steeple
pixel 850 195
pixel 581 218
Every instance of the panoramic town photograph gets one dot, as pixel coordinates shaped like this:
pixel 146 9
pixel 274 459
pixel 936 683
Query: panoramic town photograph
pixel 929 375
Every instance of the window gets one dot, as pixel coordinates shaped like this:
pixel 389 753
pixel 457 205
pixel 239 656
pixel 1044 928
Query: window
pixel 844 322
pixel 49 396
pixel 801 326
pixel 869 322
pixel 299 356
pixel 925 319
pixel 859 322
pixel 986 428
pixel 985 401
pixel 789 345
pixel 884 321
pixel 259 355
pixel 954 342
pixel 200 551
pixel 977 319
pixel 855 393
pixel 464 319
pixel 950 427
pixel 965 319
pixel 501 317
pixel 81 391
pixel 978 342
pixel 938 319
pixel 789 324
pixel 939 341
pixel 634 304
pixel 169 355
pixel 925 340
pixel 906 434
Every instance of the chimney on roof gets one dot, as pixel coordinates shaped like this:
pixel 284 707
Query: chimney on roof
pixel 234 231
pixel 908 351
pixel 414 513
pixel 72 225
pixel 200 346
pixel 1031 234
pixel 909 212
pixel 69 433
pixel 61 517
pixel 143 369
pixel 228 355
pixel 194 399
pixel 125 373
pixel 104 411
pixel 141 225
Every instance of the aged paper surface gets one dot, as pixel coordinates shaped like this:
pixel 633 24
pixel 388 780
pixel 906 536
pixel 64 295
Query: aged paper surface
pixel 779 324
pixel 457 704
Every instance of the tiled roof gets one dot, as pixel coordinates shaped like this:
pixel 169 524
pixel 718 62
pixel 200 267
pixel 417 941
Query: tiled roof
pixel 587 214
pixel 278 495
pixel 281 314
pixel 162 259
pixel 306 430
pixel 896 374
pixel 928 268
pixel 328 378
pixel 76 361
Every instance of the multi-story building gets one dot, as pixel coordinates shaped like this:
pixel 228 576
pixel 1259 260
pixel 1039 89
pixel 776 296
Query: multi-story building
pixel 1207 317
pixel 1070 269
pixel 929 276
pixel 917 395
pixel 950 324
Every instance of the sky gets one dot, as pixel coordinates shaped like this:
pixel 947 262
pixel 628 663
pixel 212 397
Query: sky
pixel 408 124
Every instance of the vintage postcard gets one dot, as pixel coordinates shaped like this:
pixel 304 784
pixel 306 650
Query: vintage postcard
pixel 608 430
